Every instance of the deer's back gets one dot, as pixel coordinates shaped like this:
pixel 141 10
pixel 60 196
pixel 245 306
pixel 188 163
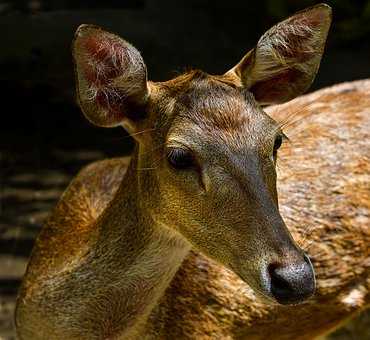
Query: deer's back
pixel 63 243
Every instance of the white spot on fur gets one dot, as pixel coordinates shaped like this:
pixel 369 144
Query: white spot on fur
pixel 354 298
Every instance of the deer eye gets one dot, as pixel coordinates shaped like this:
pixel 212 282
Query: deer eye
pixel 180 158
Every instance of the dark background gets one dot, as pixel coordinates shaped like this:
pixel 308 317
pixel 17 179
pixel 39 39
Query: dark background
pixel 44 138
pixel 37 88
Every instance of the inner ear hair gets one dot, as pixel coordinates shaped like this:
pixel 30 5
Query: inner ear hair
pixel 287 57
pixel 111 77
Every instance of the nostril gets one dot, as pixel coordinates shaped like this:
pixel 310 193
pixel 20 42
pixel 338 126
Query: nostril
pixel 279 284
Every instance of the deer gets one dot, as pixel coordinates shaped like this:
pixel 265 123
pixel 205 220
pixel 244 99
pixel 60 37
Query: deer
pixel 327 209
pixel 185 237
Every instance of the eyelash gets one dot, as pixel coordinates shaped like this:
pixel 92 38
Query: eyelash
pixel 180 159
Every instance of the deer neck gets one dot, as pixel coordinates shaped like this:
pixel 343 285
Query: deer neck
pixel 134 253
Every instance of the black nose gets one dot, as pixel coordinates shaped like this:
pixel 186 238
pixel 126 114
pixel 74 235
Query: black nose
pixel 292 283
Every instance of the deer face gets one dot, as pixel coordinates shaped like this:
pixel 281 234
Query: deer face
pixel 207 150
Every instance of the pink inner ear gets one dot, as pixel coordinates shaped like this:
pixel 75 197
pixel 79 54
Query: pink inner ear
pixel 111 77
pixel 105 59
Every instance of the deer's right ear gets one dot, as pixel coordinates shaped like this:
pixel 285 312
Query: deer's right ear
pixel 111 78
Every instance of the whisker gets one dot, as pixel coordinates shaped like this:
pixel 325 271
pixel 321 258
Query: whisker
pixel 143 131
pixel 133 134
pixel 294 111
pixel 155 165
pixel 144 169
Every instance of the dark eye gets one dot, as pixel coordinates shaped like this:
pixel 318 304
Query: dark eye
pixel 278 142
pixel 180 158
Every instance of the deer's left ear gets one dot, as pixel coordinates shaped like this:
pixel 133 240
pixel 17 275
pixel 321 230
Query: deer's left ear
pixel 286 59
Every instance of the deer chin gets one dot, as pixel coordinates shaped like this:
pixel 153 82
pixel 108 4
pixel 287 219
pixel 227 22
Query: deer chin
pixel 264 298
pixel 254 282
pixel 260 287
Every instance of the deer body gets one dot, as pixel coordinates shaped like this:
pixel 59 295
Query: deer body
pixel 104 264
pixel 147 258
pixel 207 301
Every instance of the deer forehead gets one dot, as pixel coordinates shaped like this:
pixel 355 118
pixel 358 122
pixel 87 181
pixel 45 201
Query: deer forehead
pixel 197 106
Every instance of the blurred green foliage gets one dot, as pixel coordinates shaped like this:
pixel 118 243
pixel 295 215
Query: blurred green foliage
pixel 351 18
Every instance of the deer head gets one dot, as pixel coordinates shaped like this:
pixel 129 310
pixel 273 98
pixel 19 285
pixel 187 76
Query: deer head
pixel 208 148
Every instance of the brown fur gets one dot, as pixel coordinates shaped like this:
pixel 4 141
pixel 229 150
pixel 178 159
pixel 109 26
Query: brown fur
pixel 324 188
pixel 112 246
pixel 205 300
pixel 287 57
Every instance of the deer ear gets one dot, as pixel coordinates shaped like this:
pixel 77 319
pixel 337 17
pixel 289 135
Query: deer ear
pixel 286 59
pixel 111 78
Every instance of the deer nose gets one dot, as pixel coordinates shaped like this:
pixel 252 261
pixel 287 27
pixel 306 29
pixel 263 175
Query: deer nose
pixel 292 283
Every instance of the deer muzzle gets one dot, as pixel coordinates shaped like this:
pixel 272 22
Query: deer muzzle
pixel 291 283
